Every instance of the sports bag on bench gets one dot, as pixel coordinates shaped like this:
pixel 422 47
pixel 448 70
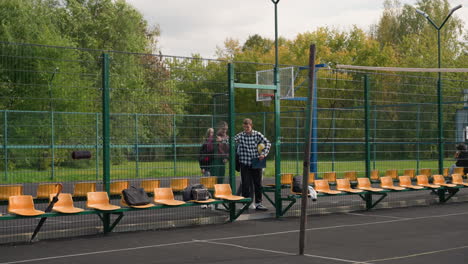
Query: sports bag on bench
pixel 135 196
pixel 196 192
pixel 297 187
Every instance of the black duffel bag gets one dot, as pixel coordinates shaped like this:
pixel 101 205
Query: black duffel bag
pixel 135 196
pixel 195 192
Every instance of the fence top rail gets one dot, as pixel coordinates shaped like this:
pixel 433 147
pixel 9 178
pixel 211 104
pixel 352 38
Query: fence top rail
pixel 398 69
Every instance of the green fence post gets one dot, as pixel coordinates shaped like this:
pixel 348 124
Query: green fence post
pixel 52 146
pixel 277 143
pixel 297 144
pixel 232 118
pixel 97 146
pixel 106 134
pixel 174 140
pixel 374 145
pixel 333 140
pixel 137 154
pixel 5 141
pixel 418 127
pixel 367 123
pixel 440 124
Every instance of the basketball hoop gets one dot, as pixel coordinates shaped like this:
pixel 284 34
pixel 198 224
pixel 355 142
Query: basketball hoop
pixel 267 98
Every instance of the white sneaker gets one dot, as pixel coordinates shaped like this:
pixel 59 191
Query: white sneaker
pixel 260 207
pixel 252 206
pixel 204 206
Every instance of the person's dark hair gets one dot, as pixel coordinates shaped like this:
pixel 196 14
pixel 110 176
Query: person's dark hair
pixel 461 147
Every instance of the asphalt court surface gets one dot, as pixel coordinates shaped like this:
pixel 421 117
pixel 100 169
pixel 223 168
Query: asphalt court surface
pixel 426 234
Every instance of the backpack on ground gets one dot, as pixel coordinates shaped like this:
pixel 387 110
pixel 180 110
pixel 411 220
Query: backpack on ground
pixel 196 192
pixel 135 196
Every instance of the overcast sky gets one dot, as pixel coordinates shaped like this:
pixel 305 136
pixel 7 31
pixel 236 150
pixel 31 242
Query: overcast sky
pixel 199 26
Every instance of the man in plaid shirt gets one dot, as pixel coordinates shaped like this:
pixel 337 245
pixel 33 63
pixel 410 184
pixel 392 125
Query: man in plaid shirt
pixel 247 149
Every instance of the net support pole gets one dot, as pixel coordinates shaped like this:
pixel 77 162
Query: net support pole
pixel 307 148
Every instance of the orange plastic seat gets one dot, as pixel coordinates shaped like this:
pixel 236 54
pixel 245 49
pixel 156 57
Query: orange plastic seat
pixel 445 172
pixel 405 181
pixel 286 179
pixel 344 185
pixel 426 172
pixel 209 182
pixel 458 170
pixel 178 185
pixel 440 180
pixel 100 201
pixel 423 180
pixel 323 187
pixel 365 184
pixel 45 189
pixel 350 175
pixel 23 205
pixel 149 185
pixel 329 176
pixel 117 187
pixel 392 173
pixel 166 196
pixel 224 191
pixel 64 204
pixel 387 183
pixel 10 190
pixel 81 189
pixel 410 172
pixel 311 177
pixel 374 175
pixel 458 180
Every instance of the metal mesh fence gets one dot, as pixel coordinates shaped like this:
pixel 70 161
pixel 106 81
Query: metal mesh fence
pixel 161 108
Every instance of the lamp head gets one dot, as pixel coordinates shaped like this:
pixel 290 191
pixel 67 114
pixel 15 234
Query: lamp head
pixel 419 11
pixel 455 9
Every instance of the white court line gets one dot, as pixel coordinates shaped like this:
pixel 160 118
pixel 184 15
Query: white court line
pixel 417 254
pixel 383 216
pixel 96 252
pixel 338 226
pixel 275 251
pixel 227 238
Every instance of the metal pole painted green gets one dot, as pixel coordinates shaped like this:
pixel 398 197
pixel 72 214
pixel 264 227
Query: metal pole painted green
pixel 174 139
pixel 277 143
pixel 5 142
pixel 137 151
pixel 439 85
pixel 418 129
pixel 333 140
pixel 97 146
pixel 106 134
pixel 52 141
pixel 374 140
pixel 105 122
pixel 52 146
pixel 232 119
pixel 367 123
pixel 297 143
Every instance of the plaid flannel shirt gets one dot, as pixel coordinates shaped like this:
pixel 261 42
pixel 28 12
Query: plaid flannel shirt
pixel 246 146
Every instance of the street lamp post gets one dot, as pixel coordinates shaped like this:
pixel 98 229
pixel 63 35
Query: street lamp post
pixel 439 83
